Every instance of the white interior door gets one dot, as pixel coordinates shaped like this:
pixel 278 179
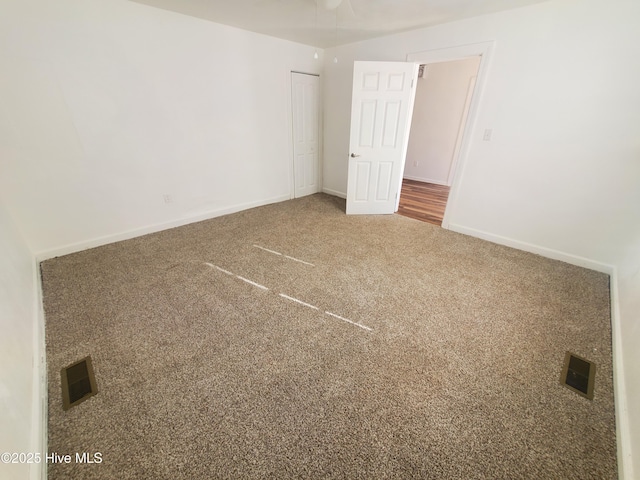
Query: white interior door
pixel 381 109
pixel 305 100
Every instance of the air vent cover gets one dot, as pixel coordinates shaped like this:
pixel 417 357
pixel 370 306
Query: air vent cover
pixel 78 383
pixel 578 375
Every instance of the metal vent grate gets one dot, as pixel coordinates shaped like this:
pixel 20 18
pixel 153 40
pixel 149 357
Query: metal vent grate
pixel 578 375
pixel 78 383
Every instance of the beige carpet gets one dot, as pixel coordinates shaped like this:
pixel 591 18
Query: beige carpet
pixel 439 357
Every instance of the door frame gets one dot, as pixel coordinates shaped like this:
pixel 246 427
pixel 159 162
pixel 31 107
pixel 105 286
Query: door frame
pixel 485 51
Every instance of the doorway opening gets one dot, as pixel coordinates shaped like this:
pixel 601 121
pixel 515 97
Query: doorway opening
pixel 442 102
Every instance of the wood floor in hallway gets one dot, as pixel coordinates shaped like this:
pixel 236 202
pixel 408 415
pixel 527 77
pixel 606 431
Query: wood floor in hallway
pixel 423 201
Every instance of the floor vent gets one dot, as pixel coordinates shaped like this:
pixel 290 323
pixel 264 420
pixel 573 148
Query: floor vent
pixel 78 383
pixel 578 374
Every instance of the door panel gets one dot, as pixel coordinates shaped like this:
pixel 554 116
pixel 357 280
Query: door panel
pixel 367 123
pixel 380 118
pixel 391 124
pixel 385 170
pixel 362 185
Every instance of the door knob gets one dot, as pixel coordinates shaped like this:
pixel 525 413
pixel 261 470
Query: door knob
pixel 353 155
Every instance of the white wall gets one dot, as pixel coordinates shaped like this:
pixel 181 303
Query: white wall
pixel 437 123
pixel 562 173
pixel 106 106
pixel 17 324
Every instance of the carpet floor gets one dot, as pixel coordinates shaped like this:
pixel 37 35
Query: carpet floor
pixel 294 341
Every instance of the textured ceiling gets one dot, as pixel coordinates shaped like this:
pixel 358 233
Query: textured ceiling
pixel 357 20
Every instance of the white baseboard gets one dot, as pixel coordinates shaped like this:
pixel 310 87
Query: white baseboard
pixel 623 435
pixel 117 237
pixel 335 193
pixel 529 247
pixel 623 440
pixel 426 180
